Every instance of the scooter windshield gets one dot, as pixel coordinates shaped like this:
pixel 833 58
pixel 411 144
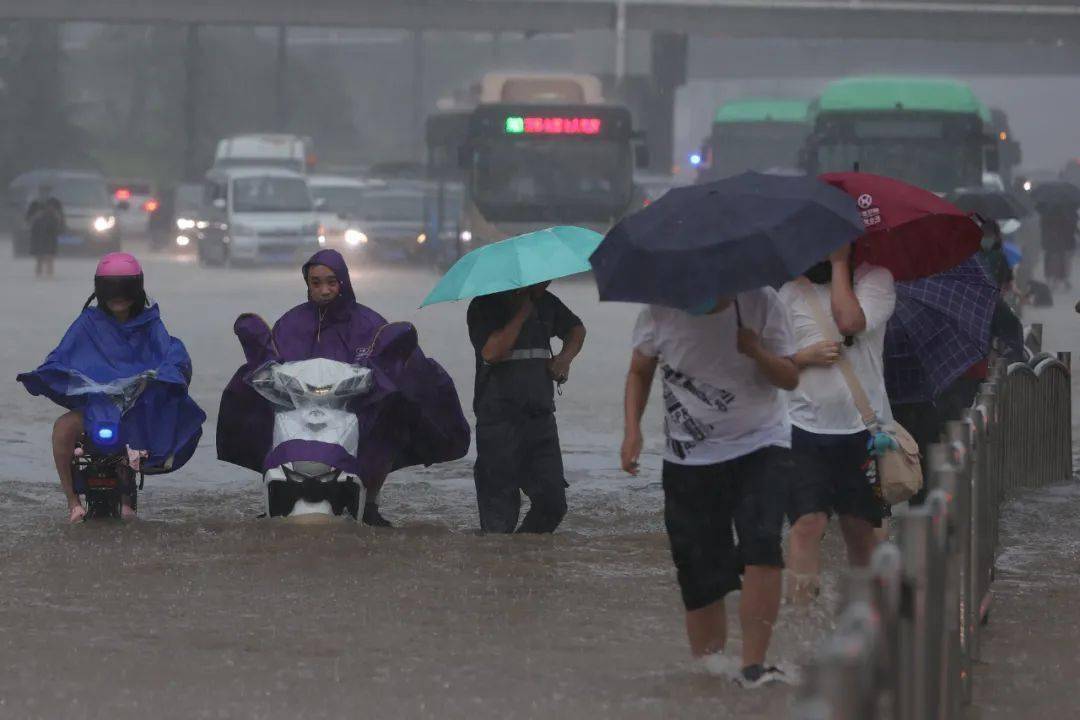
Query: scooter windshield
pixel 123 392
pixel 309 383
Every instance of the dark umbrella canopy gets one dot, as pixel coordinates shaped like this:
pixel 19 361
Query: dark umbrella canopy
pixel 990 204
pixel 910 231
pixel 699 243
pixel 1059 193
pixel 940 328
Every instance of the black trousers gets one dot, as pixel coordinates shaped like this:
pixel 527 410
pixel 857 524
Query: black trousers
pixel 519 455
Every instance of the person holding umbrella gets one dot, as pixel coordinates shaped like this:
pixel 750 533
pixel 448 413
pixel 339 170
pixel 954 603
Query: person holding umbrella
pixel 841 401
pixel 512 320
pixel 829 436
pixel 703 259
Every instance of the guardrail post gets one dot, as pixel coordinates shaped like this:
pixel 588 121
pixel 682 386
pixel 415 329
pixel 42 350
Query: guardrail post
pixel 958 436
pixel 913 693
pixel 948 482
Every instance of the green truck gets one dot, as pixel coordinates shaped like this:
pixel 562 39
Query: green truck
pixel 931 132
pixel 763 134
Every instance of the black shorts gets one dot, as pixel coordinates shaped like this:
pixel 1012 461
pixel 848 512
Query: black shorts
pixel 702 503
pixel 833 476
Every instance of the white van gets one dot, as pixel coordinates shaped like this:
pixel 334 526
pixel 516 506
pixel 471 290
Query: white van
pixel 258 215
pixel 289 152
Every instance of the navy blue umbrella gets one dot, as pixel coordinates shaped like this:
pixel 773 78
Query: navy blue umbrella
pixel 700 243
pixel 940 328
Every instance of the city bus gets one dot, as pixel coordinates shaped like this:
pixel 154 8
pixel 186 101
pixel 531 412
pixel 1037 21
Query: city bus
pixel 931 132
pixel 759 134
pixel 542 150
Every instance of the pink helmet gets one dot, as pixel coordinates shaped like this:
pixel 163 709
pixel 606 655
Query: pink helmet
pixel 118 264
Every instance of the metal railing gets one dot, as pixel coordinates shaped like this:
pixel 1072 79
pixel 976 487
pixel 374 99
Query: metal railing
pixel 908 630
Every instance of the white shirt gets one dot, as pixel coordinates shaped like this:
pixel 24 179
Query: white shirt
pixel 718 405
pixel 822 403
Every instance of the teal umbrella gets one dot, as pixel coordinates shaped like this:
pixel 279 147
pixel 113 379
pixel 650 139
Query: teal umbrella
pixel 517 262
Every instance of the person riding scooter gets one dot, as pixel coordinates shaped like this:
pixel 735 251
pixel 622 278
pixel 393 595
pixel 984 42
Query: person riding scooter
pixel 410 416
pixel 117 338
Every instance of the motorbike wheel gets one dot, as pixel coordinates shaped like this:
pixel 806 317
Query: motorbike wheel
pixel 103 505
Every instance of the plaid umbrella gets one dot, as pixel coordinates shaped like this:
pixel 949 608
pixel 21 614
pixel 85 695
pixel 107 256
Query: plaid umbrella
pixel 941 327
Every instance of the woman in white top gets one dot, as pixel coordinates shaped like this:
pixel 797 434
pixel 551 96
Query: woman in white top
pixel 830 440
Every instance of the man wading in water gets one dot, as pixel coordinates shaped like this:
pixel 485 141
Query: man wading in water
pixel 727 462
pixel 517 440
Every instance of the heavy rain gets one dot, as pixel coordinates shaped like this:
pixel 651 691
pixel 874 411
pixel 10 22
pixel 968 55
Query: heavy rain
pixel 222 145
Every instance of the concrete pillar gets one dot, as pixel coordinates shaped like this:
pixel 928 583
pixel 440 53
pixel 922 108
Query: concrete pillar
pixel 281 81
pixel 192 70
pixel 418 72
pixel 668 71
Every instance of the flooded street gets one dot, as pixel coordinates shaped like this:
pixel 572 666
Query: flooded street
pixel 200 610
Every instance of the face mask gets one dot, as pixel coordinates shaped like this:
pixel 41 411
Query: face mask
pixel 820 274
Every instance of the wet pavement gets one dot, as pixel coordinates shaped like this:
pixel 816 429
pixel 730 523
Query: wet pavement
pixel 199 610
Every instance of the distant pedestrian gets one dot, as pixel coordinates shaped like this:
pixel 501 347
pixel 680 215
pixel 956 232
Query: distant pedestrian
pixel 517 439
pixel 727 462
pixel 1058 224
pixel 830 440
pixel 45 220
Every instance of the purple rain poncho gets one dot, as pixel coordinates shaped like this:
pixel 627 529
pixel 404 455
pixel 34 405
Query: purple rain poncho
pixel 412 415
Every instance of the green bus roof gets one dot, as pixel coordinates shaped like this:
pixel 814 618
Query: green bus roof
pixel 885 93
pixel 763 110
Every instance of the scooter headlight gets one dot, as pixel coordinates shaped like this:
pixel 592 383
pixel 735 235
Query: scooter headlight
pixel 105 434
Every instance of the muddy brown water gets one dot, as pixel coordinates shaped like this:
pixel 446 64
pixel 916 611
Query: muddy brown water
pixel 199 610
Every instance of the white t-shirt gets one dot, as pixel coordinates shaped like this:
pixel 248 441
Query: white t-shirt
pixel 822 403
pixel 718 405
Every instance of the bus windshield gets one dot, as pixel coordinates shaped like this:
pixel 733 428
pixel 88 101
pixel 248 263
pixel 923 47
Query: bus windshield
pixel 738 147
pixel 517 179
pixel 936 165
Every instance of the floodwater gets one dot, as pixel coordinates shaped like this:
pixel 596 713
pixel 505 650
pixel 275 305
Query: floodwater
pixel 200 610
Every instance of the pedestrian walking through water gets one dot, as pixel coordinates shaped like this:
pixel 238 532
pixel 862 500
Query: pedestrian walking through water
pixel 45 220
pixel 517 439
pixel 726 464
pixel 837 474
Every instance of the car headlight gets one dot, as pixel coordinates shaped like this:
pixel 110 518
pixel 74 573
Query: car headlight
pixel 466 236
pixel 183 240
pixel 104 223
pixel 201 224
pixel 354 237
pixel 421 238
pixel 184 223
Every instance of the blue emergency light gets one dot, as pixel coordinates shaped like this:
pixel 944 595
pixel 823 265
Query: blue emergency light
pixel 695 159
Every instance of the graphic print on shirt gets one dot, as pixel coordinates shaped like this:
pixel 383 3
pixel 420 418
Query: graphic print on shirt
pixel 677 415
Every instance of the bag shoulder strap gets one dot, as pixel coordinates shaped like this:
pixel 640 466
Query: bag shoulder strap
pixel 829 330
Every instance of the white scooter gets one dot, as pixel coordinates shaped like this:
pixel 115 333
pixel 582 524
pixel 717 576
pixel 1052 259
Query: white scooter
pixel 311 398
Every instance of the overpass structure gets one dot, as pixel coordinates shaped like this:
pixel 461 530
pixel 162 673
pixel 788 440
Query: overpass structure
pixel 1049 30
pixel 1051 21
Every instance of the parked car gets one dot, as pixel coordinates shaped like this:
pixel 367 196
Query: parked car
pixel 258 216
pixel 89 211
